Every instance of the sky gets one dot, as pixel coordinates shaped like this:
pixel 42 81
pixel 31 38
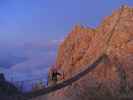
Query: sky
pixel 31 21
pixel 31 30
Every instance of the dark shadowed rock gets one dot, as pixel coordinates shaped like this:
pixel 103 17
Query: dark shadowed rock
pixel 8 91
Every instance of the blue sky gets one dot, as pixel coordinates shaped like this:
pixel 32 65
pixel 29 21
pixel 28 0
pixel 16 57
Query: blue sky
pixel 23 21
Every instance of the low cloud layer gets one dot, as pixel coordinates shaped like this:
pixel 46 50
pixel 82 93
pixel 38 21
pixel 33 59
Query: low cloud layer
pixel 38 57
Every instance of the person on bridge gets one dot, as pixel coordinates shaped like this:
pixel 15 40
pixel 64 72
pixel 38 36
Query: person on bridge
pixel 53 76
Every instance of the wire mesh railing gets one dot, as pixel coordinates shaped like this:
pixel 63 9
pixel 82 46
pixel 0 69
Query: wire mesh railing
pixel 31 84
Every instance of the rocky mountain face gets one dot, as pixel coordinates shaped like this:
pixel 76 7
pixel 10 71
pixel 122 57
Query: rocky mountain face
pixel 113 76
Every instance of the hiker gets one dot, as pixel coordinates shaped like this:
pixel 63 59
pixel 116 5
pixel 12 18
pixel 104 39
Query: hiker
pixel 53 76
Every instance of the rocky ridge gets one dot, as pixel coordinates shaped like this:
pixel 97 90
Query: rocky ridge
pixel 113 76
